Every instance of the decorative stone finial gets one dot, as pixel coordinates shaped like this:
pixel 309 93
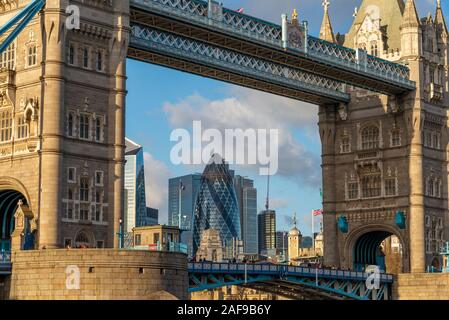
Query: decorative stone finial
pixel 295 14
pixel 326 4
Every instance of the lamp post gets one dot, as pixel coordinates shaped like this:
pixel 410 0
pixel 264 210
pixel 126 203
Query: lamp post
pixel 120 234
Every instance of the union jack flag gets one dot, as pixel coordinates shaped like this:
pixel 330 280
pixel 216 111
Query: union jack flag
pixel 317 212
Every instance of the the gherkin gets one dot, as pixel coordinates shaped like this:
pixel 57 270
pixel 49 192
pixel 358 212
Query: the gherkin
pixel 216 205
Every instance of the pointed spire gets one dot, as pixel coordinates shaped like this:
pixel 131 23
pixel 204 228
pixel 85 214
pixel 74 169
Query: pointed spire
pixel 440 21
pixel 326 32
pixel 410 17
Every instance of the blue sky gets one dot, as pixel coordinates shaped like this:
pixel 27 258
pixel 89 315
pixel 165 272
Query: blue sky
pixel 161 99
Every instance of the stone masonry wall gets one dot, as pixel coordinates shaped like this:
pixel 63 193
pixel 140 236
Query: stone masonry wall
pixel 104 275
pixel 421 286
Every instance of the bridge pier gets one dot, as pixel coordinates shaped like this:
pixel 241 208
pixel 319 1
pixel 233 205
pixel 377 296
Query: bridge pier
pixel 327 114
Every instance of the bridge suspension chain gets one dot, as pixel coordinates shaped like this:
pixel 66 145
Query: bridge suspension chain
pixel 10 30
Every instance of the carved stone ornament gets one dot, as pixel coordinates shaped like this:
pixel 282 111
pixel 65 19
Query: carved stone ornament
pixel 343 111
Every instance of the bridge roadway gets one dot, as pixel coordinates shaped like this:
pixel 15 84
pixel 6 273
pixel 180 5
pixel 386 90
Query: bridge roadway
pixel 291 281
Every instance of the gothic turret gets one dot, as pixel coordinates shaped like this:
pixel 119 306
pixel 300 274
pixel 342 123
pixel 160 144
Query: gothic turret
pixel 377 20
pixel 326 32
pixel 410 17
pixel 440 23
pixel 411 33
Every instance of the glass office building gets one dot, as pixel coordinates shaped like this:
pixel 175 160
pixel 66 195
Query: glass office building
pixel 183 201
pixel 216 205
pixel 152 217
pixel 267 231
pixel 247 201
pixel 135 203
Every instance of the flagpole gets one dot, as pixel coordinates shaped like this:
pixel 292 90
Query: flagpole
pixel 313 232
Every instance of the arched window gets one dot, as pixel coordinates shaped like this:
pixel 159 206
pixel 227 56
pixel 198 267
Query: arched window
pixel 84 127
pixel 81 240
pixel 371 186
pixel 98 129
pixel 99 61
pixel 86 58
pixel 70 125
pixel 8 58
pixel 72 54
pixel 22 128
pixel 371 182
pixel 5 125
pixel 374 48
pixel 84 190
pixel 370 138
pixel 395 138
pixel 32 55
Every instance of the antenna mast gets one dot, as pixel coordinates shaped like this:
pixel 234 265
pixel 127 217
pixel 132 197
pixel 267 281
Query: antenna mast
pixel 267 204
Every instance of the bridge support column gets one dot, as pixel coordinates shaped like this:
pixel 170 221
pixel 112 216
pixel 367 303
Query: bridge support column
pixel 118 103
pixel 417 214
pixel 52 109
pixel 327 116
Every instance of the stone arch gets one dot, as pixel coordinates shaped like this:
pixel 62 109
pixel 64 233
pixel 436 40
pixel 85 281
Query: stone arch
pixel 17 221
pixel 84 239
pixel 361 244
pixel 435 264
pixel 9 183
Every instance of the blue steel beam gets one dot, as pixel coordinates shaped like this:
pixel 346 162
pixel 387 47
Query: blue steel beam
pixel 211 21
pixel 222 282
pixel 337 282
pixel 307 86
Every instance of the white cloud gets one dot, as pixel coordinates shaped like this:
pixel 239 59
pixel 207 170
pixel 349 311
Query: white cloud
pixel 156 185
pixel 250 109
pixel 277 204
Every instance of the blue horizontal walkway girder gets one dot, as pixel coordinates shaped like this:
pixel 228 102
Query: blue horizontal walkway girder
pixel 168 44
pixel 379 72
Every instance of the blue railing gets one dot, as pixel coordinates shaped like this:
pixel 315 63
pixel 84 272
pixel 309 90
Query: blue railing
pixel 208 267
pixel 5 257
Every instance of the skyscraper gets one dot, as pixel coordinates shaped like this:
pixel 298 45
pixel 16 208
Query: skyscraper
pixel 135 203
pixel 267 230
pixel 247 201
pixel 152 217
pixel 190 185
pixel 216 205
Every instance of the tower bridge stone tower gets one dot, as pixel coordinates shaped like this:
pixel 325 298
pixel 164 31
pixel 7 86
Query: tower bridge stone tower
pixel 385 163
pixel 62 123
